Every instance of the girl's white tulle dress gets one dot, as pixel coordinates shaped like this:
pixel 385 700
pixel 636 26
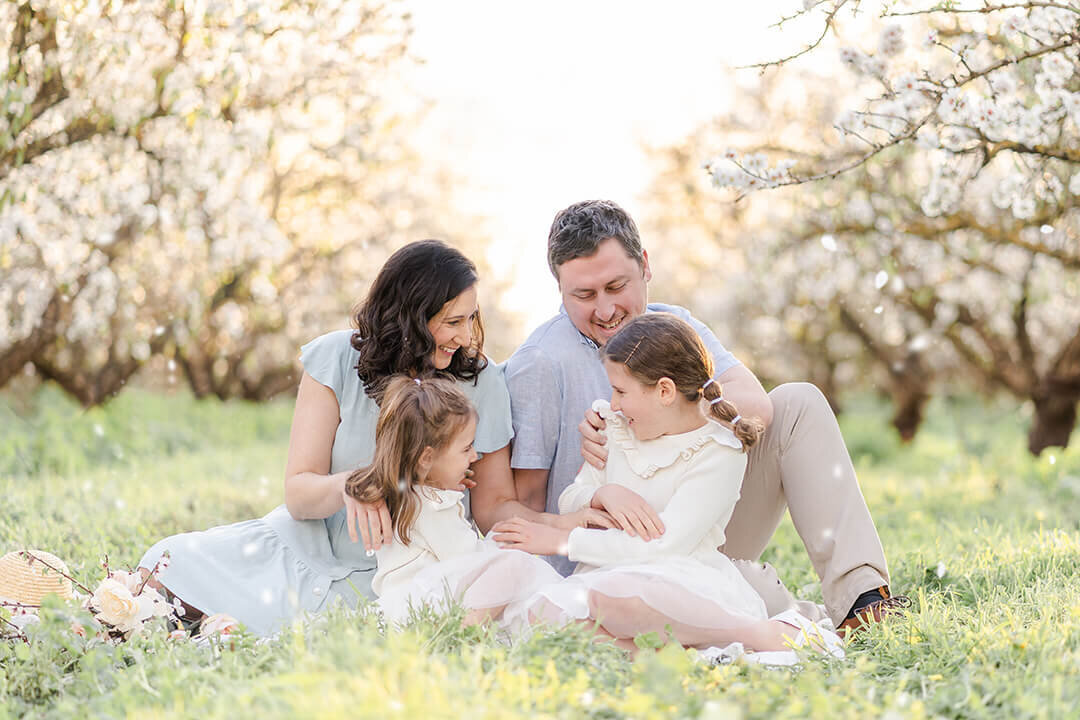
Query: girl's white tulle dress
pixel 446 561
pixel 692 479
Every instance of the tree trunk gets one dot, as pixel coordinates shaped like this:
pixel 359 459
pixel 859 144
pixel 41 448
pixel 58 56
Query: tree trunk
pixel 1055 418
pixel 1055 400
pixel 909 404
pixel 14 359
pixel 198 372
pixel 272 383
pixel 89 387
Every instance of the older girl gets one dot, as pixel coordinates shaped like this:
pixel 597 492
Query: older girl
pixel 677 457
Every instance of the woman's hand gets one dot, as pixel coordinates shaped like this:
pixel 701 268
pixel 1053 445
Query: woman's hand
pixel 629 511
pixel 532 537
pixel 592 439
pixel 586 517
pixel 372 519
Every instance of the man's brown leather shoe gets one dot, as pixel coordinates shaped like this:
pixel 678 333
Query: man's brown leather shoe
pixel 874 612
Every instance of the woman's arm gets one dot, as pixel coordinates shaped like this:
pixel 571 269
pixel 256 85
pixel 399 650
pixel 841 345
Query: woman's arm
pixel 311 492
pixel 495 496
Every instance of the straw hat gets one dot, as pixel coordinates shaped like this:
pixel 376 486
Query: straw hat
pixel 27 581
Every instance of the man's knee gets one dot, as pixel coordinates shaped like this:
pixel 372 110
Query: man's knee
pixel 799 397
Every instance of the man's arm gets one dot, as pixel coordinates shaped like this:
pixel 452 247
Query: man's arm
pixel 743 389
pixel 740 384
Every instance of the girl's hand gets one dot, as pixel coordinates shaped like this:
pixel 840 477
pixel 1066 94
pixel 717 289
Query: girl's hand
pixel 468 483
pixel 373 520
pixel 592 441
pixel 532 537
pixel 629 511
pixel 586 517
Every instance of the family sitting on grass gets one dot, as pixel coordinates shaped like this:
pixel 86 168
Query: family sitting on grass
pixel 621 440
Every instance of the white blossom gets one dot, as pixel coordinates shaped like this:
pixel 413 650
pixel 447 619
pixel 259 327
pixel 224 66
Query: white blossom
pixel 1057 69
pixel 892 40
pixel 755 162
pixel 853 58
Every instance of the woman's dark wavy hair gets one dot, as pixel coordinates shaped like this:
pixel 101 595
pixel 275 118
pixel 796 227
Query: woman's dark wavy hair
pixel 391 324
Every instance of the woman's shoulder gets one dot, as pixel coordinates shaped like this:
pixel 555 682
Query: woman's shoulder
pixel 335 341
pixel 491 380
pixel 488 394
pixel 329 359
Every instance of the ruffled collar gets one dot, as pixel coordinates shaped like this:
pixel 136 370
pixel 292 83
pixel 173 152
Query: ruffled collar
pixel 645 457
pixel 437 497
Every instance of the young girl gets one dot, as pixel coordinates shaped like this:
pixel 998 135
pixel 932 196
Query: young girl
pixel 675 466
pixel 423 449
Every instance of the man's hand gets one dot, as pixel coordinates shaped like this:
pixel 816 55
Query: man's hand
pixel 593 442
pixel 372 519
pixel 532 537
pixel 629 511
pixel 586 517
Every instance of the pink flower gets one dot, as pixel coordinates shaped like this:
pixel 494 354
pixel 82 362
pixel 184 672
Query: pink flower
pixel 218 624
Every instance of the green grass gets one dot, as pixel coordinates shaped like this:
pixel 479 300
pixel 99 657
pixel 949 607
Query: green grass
pixel 983 537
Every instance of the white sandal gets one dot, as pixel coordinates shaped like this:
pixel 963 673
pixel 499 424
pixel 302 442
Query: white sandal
pixel 811 634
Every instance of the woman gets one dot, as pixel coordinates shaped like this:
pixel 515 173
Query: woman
pixel 420 317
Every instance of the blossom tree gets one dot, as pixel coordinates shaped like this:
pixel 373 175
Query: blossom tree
pixel 958 147
pixel 793 300
pixel 206 182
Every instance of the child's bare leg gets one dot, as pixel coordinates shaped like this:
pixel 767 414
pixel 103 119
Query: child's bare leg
pixel 190 613
pixel 601 635
pixel 545 612
pixel 628 617
pixel 479 616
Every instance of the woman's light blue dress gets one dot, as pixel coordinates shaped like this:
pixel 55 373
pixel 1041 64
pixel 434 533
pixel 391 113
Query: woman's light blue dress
pixel 265 572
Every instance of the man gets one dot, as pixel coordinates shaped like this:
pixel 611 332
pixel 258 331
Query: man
pixel 595 254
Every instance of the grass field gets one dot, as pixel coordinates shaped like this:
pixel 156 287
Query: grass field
pixel 983 538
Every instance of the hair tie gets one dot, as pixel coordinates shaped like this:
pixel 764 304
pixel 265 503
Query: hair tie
pixel 708 382
pixel 735 420
pixel 716 400
pixel 416 380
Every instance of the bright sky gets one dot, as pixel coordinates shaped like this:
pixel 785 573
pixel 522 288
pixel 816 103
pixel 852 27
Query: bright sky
pixel 538 105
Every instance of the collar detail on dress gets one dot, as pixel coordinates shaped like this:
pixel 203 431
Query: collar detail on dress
pixel 437 497
pixel 648 456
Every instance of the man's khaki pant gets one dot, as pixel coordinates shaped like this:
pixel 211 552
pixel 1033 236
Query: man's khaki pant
pixel 801 463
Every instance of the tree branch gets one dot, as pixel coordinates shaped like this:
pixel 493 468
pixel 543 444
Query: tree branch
pixel 983 10
pixel 824 31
